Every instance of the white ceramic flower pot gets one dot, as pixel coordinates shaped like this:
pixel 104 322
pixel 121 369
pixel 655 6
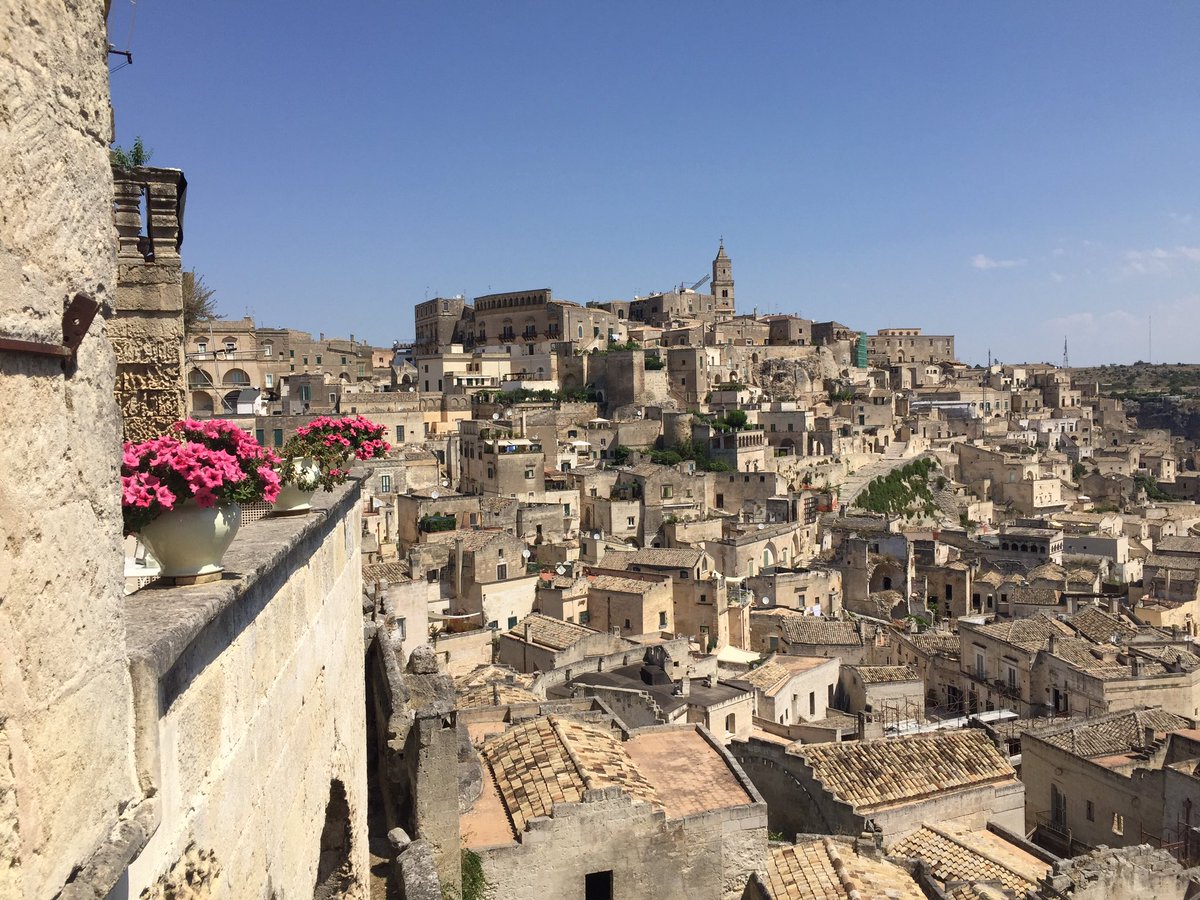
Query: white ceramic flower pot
pixel 297 497
pixel 190 540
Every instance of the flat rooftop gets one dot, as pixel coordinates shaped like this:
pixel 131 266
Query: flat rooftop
pixel 687 772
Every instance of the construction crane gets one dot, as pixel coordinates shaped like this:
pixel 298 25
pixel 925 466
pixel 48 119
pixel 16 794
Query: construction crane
pixel 699 284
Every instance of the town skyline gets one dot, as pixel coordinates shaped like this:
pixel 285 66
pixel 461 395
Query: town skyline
pixel 1009 176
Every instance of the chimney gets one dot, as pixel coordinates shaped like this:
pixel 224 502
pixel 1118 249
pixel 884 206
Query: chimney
pixel 1148 736
pixel 1053 644
pixel 528 633
pixel 1135 666
pixel 711 681
pixel 1114 606
pixel 321 339
pixel 352 337
pixel 685 685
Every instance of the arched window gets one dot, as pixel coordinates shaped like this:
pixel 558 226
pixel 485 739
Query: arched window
pixel 731 723
pixel 236 376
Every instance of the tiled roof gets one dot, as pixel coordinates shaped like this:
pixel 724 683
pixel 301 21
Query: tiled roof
pixel 874 774
pixel 392 572
pixel 1029 634
pixel 550 632
pixel 1118 733
pixel 623 585
pixel 799 629
pixel 667 559
pixel 1173 656
pixel 472 539
pixel 1175 563
pixel 1180 544
pixel 554 760
pixel 495 694
pixel 766 676
pixel 886 674
pixel 1099 625
pixel 828 870
pixel 954 857
pixel 935 643
pixel 1033 595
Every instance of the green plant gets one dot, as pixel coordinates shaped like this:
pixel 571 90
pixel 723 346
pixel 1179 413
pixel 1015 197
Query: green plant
pixel 474 882
pixel 621 454
pixel 135 156
pixel 1078 471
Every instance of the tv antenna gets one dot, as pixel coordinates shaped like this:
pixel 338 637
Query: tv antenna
pixel 1066 359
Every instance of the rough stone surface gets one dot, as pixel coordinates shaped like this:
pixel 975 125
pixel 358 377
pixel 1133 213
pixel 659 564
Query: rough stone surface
pixel 147 331
pixel 66 762
pixel 252 711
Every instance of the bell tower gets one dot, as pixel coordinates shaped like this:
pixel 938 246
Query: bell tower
pixel 722 283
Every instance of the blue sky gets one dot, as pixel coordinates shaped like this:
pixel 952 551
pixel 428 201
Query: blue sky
pixel 1009 173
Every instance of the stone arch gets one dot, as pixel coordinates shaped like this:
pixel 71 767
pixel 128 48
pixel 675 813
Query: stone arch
pixel 236 376
pixel 768 556
pixel 229 401
pixel 344 376
pixel 202 402
pixel 199 378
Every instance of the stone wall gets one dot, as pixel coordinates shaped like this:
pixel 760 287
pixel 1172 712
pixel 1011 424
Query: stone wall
pixel 703 857
pixel 66 764
pixel 147 330
pixel 249 695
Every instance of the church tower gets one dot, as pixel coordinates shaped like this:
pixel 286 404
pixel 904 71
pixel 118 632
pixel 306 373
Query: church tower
pixel 722 283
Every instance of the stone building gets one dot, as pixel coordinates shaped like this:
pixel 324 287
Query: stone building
pixel 891 785
pixel 1115 780
pixel 572 808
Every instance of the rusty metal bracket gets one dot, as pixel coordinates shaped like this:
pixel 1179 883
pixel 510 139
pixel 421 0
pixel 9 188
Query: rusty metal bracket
pixel 77 319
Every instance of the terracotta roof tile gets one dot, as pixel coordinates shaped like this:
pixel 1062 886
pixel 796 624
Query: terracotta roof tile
pixel 874 774
pixel 830 870
pixel 956 857
pixel 550 632
pixel 886 674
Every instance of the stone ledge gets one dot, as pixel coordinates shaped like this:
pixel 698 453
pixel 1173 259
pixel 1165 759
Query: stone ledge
pixel 161 622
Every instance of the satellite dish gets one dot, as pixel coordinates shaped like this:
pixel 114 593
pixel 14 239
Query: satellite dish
pixel 560 570
pixel 766 601
pixel 525 553
pixel 761 526
pixel 596 536
pixel 435 495
pixel 445 483
pixel 495 416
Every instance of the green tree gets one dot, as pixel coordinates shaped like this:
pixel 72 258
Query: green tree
pixel 736 419
pixel 135 156
pixel 198 304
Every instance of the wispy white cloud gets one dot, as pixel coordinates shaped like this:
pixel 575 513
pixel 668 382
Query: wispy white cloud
pixel 1155 261
pixel 1182 218
pixel 979 261
pixel 1123 335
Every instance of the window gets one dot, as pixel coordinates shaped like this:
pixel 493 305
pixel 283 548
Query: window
pixel 501 571
pixel 627 626
pixel 980 670
pixel 512 622
pixel 629 521
pixel 230 345
pixel 343 360
pixel 812 703
pixel 332 399
pixel 305 393
pixel 318 360
pixel 667 492
pixel 385 484
pixel 269 380
pixel 268 349
pixel 305 360
pixel 277 437
pixel 260 435
pixel 1091 812
pixel 584 617
pixel 703 599
pixel 662 620
pixel 528 474
pixel 291 354
pixel 731 723
pixel 1118 826
pixel 202 346
pixel 399 434
pixel 362 369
